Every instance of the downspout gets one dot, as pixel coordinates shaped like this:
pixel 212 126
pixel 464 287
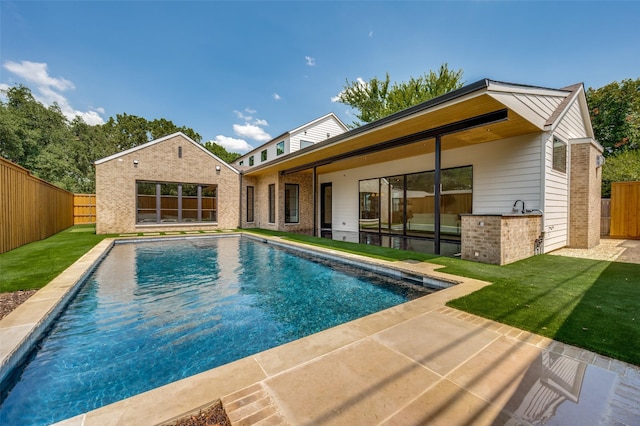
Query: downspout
pixel 315 202
pixel 240 204
pixel 436 198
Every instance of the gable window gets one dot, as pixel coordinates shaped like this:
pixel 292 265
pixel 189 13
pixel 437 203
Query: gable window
pixel 251 160
pixel 272 203
pixel 250 210
pixel 263 155
pixel 280 148
pixel 304 144
pixel 559 155
pixel 163 202
pixel 241 163
pixel 291 203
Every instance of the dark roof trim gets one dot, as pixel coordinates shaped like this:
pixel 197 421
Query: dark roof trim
pixel 469 123
pixel 447 97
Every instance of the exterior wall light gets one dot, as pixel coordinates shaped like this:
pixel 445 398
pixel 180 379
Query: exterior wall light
pixel 217 168
pixel 135 163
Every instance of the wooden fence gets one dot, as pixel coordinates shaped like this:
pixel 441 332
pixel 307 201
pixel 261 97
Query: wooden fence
pixel 625 210
pixel 30 208
pixel 605 216
pixel 84 208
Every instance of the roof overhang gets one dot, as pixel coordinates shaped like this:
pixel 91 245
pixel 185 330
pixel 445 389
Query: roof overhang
pixel 478 113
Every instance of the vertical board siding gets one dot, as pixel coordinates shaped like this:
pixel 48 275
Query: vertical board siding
pixel 625 210
pixel 84 208
pixel 30 208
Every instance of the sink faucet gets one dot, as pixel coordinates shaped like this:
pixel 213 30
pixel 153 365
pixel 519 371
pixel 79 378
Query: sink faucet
pixel 515 209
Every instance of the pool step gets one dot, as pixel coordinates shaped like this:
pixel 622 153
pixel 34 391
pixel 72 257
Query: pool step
pixel 252 405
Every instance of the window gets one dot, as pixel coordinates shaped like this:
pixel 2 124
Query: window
pixel 291 203
pixel 304 144
pixel 280 148
pixel 263 155
pixel 251 160
pixel 559 155
pixel 404 204
pixel 162 202
pixel 250 210
pixel 241 163
pixel 272 203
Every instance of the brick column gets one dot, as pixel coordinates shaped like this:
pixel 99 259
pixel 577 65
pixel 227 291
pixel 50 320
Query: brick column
pixel 584 193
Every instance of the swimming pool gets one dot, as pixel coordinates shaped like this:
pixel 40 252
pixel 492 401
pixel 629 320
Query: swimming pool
pixel 156 312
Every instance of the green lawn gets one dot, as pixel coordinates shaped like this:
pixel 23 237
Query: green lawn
pixel 33 265
pixel 586 303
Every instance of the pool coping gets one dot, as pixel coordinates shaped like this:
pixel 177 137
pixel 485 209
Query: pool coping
pixel 237 379
pixel 21 329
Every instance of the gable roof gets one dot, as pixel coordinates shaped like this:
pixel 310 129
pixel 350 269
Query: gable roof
pixel 288 133
pixel 160 140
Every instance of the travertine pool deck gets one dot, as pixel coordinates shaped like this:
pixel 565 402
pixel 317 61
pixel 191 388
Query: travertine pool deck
pixel 417 363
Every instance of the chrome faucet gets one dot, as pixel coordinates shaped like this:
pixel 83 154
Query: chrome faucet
pixel 515 209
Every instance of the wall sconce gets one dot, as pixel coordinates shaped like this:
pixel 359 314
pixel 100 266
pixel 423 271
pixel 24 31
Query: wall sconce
pixel 135 163
pixel 217 168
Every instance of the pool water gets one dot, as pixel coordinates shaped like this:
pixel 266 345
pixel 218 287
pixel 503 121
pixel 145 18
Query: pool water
pixel 156 312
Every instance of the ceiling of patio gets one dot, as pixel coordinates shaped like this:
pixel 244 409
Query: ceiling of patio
pixel 436 117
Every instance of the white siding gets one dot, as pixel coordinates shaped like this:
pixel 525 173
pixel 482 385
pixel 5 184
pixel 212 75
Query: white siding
pixel 316 133
pixel 503 172
pixel 535 108
pixel 556 203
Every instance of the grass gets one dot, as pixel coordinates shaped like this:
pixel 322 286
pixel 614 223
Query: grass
pixel 591 304
pixel 33 265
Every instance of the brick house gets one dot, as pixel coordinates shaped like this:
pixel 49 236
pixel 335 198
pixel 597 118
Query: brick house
pixel 169 184
pixel 493 172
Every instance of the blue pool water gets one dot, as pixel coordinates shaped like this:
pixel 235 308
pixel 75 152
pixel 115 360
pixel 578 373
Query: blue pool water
pixel 156 312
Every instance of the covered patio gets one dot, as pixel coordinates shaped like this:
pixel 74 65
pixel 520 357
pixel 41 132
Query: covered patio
pixel 410 179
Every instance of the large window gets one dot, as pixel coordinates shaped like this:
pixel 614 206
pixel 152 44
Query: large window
pixel 251 161
pixel 280 148
pixel 272 203
pixel 305 144
pixel 263 155
pixel 164 202
pixel 250 210
pixel 291 203
pixel 404 204
pixel 559 155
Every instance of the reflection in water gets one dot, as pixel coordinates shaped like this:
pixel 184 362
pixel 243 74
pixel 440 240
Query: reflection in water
pixel 550 392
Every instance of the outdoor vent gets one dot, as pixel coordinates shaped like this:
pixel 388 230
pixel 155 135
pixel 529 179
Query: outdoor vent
pixel 179 152
pixel 599 161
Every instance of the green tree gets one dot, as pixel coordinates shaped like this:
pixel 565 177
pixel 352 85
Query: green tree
pixel 621 167
pixel 615 115
pixel 378 98
pixel 221 152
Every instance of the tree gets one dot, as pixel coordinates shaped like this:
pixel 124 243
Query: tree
pixel 615 115
pixel 221 152
pixel 378 98
pixel 622 167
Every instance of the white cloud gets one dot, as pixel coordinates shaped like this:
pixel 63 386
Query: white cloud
pixel 47 89
pixel 260 122
pixel 370 34
pixel 251 131
pixel 250 110
pixel 310 61
pixel 276 97
pixel 241 115
pixel 232 144
pixel 363 84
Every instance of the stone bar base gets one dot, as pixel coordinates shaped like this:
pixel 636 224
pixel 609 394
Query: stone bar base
pixel 500 239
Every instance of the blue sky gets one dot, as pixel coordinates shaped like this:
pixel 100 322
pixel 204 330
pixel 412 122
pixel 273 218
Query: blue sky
pixel 242 72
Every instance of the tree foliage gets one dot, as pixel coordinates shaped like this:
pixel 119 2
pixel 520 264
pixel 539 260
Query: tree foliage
pixel 622 167
pixel 221 152
pixel 615 115
pixel 378 98
pixel 43 141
